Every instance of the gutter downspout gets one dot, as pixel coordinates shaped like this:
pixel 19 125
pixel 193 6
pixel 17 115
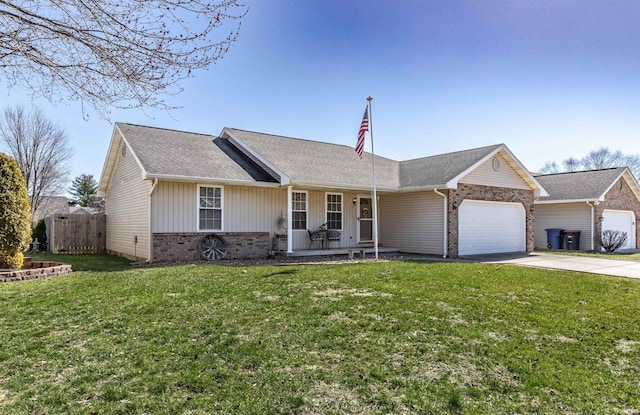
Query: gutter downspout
pixel 445 222
pixel 150 254
pixel 592 221
pixel 290 219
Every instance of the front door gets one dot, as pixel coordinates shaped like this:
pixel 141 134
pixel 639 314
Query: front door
pixel 365 219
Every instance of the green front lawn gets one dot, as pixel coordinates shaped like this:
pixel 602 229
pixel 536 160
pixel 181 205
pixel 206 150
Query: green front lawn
pixel 369 338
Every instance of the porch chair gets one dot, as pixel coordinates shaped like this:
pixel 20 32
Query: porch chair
pixel 332 236
pixel 316 237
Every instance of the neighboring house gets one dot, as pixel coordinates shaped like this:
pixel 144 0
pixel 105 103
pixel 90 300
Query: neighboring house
pixel 591 202
pixel 167 189
pixel 82 210
pixel 50 205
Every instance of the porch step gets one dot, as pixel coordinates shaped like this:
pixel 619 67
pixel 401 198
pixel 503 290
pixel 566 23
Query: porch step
pixel 338 251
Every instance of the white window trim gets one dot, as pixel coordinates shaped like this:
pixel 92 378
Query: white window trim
pixel 326 212
pixel 305 211
pixel 221 208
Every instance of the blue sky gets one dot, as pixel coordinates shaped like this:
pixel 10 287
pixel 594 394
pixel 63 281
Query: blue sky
pixel 550 79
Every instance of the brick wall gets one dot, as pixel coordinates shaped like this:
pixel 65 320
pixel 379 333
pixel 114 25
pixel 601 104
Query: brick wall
pixel 185 247
pixel 34 270
pixel 487 193
pixel 617 198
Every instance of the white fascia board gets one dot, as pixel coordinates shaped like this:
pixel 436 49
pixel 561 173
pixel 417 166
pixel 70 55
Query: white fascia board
pixel 284 179
pixel 340 186
pixel 430 187
pixel 553 202
pixel 110 160
pixel 538 190
pixel 453 183
pixel 633 183
pixel 135 156
pixel 207 180
pixel 631 179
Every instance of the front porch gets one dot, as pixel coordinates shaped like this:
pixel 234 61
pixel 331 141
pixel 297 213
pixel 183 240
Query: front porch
pixel 369 251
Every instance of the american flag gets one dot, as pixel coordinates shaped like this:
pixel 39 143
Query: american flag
pixel 364 127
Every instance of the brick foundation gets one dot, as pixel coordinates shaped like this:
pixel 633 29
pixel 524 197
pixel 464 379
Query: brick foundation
pixel 185 247
pixel 487 193
pixel 34 270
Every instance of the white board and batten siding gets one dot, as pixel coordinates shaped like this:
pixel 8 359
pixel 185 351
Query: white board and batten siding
pixel 245 209
pixel 504 175
pixel 127 207
pixel 412 222
pixel 572 216
pixel 317 215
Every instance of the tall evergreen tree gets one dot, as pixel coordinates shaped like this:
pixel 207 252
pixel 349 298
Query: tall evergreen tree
pixel 15 214
pixel 84 190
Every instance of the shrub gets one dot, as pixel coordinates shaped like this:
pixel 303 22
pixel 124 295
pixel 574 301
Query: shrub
pixel 15 214
pixel 40 232
pixel 612 240
pixel 11 261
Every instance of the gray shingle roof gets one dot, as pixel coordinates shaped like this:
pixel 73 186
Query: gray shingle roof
pixel 438 170
pixel 317 162
pixel 314 162
pixel 177 153
pixel 581 185
pixel 248 156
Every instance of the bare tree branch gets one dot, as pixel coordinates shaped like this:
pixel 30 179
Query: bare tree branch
pixel 571 164
pixel 602 158
pixel 41 150
pixel 112 53
pixel 550 167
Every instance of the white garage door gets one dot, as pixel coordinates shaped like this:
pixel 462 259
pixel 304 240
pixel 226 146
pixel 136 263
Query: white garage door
pixel 491 227
pixel 621 220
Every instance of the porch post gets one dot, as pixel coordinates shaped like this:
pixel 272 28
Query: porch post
pixel 289 219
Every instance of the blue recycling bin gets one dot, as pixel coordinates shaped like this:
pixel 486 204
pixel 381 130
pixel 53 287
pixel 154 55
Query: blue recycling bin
pixel 554 238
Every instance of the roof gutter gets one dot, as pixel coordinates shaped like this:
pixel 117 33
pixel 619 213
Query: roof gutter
pixel 549 202
pixel 189 179
pixel 445 222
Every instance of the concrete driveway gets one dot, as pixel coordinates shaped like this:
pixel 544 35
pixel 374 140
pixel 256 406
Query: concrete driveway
pixel 614 267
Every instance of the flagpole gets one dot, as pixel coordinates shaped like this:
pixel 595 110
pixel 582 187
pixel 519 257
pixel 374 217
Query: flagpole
pixel 375 198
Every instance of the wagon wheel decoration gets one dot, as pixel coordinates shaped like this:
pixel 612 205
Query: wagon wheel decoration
pixel 213 248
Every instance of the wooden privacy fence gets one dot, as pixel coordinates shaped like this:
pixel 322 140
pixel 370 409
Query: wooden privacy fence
pixel 77 234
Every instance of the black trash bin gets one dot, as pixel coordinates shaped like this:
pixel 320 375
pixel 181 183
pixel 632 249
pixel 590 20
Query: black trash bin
pixel 571 240
pixel 554 238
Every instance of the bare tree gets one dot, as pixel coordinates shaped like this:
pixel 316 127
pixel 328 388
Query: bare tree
pixel 41 150
pixel 113 53
pixel 571 164
pixel 601 158
pixel 550 167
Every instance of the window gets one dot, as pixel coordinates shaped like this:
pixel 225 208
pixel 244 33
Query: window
pixel 299 210
pixel 334 211
pixel 210 208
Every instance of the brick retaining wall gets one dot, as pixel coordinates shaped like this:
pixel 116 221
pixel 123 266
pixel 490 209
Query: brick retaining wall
pixel 32 270
pixel 185 247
